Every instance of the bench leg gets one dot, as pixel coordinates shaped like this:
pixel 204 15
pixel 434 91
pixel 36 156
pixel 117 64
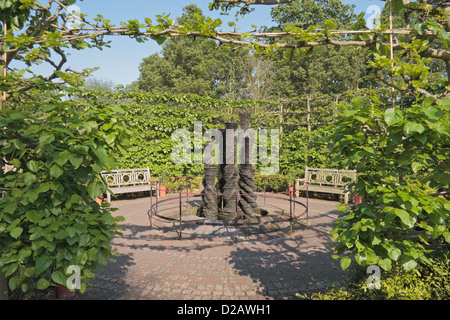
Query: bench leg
pixel 346 198
pixel 108 196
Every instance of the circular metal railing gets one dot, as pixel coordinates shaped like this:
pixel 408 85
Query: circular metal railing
pixel 173 212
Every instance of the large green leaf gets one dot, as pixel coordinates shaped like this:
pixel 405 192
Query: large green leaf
pixel 444 103
pixel 10 207
pixel 412 127
pixel 43 284
pixel 95 189
pixel 46 138
pixel 59 277
pixel 408 263
pixel 61 158
pixel 42 264
pixel 56 171
pixel 386 264
pixel 16 232
pixel 76 160
pixel 397 6
pixel 392 116
pixel 34 215
pixel 405 217
pixel 29 178
pixel 345 263
pixel 33 166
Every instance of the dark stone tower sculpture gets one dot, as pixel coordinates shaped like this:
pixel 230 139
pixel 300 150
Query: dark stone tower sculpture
pixel 229 176
pixel 235 188
pixel 247 183
pixel 209 208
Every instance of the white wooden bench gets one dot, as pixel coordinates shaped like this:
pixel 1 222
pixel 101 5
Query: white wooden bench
pixel 129 180
pixel 327 181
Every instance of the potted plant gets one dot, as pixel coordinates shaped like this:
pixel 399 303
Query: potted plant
pixel 163 179
pixel 62 292
pixel 162 190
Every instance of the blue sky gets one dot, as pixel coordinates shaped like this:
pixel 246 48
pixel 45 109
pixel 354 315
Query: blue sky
pixel 120 63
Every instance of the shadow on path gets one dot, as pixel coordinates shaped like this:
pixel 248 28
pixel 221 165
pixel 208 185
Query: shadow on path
pixel 156 264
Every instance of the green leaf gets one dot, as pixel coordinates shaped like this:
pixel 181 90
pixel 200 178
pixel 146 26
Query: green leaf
pixel 443 178
pixel 59 277
pixel 71 231
pixel 76 160
pixel 405 217
pixel 49 107
pixel 415 166
pixel 23 254
pixel 14 282
pixel 61 234
pixel 81 149
pixel 11 269
pixel 16 163
pixel 46 138
pixel 428 102
pixel 119 218
pixel 61 158
pixel 397 6
pixel 375 240
pixel 392 116
pixel 433 113
pixel 412 127
pixel 444 103
pixel 345 262
pixel 446 236
pixel 43 187
pixel 33 166
pixel 34 216
pixel 349 113
pixel 394 253
pixel 16 232
pixel 95 189
pixel 84 239
pixel 91 253
pixel 43 284
pixel 10 207
pixel 42 264
pixel 56 171
pixel 386 264
pixel 408 263
pixel 29 178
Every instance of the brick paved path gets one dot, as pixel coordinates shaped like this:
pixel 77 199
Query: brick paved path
pixel 155 264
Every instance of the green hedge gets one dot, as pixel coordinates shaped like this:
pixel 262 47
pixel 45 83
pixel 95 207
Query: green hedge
pixel 426 282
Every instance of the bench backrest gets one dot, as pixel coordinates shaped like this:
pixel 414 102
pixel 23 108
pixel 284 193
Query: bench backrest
pixel 127 177
pixel 329 177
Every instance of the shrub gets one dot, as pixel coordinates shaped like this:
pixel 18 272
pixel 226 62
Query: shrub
pixel 401 156
pixel 49 219
pixel 426 282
